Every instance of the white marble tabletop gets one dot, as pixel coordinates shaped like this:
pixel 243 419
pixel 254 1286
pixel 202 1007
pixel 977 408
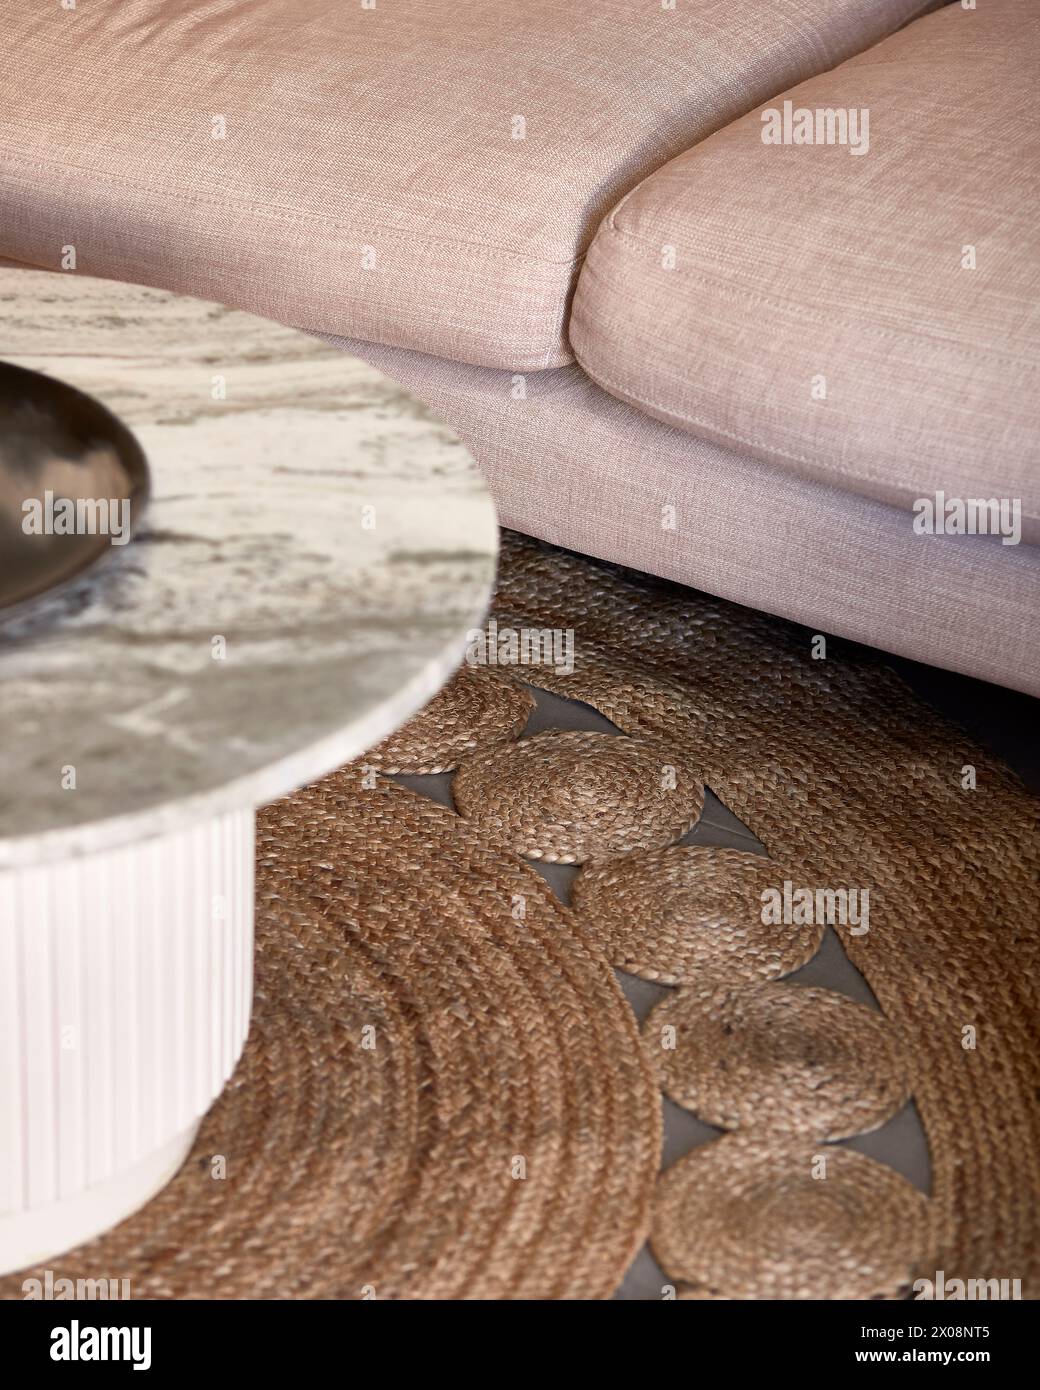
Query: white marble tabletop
pixel 305 509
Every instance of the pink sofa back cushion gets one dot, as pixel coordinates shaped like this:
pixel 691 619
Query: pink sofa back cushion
pixel 423 174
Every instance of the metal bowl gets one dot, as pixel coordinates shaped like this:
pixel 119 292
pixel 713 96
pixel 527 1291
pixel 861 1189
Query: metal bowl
pixel 73 484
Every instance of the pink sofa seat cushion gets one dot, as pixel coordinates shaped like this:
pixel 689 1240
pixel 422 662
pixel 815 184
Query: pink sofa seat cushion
pixel 818 308
pixel 423 174
pixel 570 464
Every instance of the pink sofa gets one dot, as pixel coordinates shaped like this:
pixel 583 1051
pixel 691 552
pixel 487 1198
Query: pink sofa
pixel 675 334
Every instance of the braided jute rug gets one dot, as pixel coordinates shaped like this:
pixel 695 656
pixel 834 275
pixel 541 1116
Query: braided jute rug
pixel 444 1093
pixel 847 778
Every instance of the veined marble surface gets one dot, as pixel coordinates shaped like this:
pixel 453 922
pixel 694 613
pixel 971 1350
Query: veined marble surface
pixel 339 621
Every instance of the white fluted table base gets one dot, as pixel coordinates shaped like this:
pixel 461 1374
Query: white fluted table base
pixel 125 994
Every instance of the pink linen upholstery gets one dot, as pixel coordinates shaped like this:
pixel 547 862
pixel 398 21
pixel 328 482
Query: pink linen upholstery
pixel 368 178
pixel 795 265
pixel 572 465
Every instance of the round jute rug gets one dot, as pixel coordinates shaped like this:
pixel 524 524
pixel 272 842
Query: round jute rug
pixel 444 1093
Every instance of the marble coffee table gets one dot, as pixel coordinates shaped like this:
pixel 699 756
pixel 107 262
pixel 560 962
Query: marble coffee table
pixel 316 547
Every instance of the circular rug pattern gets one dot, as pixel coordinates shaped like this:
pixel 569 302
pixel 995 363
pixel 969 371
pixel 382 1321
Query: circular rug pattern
pixel 791 1058
pixel 691 912
pixel 837 765
pixel 437 1100
pixel 566 797
pixel 745 1217
pixel 477 709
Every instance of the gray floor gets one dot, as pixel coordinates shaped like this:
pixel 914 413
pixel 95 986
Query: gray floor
pixel 1004 721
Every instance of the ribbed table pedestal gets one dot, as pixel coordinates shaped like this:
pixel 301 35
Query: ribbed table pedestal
pixel 125 994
